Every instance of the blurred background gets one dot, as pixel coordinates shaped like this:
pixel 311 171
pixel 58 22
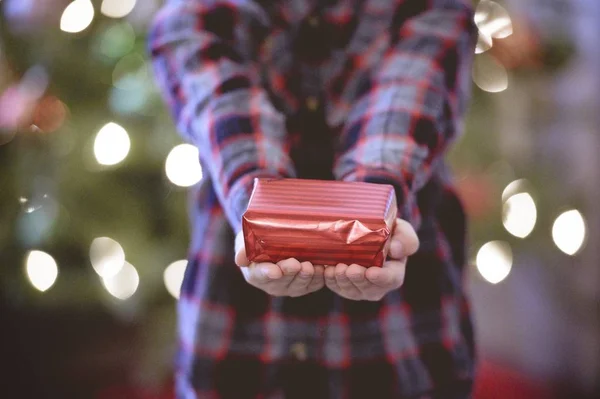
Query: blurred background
pixel 93 207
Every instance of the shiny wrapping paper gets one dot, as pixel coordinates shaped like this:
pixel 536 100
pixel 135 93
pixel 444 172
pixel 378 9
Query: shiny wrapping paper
pixel 324 222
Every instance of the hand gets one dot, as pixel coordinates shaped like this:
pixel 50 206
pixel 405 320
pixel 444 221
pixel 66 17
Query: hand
pixel 372 284
pixel 285 278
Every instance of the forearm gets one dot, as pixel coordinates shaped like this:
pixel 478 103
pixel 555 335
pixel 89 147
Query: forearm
pixel 212 86
pixel 400 128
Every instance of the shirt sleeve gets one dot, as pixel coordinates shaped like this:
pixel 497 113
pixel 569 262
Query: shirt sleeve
pixel 203 56
pixel 399 127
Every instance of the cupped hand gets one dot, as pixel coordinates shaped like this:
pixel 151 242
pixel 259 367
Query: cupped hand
pixel 372 284
pixel 285 278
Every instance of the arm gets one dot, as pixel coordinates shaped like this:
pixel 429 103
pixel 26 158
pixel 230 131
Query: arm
pixel 417 98
pixel 201 52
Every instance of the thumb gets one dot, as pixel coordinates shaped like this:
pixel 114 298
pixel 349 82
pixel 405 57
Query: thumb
pixel 405 241
pixel 240 251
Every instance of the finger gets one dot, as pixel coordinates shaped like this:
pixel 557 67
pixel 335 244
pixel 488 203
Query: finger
pixel 245 272
pixel 260 274
pixel 369 291
pixel 408 238
pixel 302 279
pixel 395 266
pixel 290 268
pixel 356 275
pixel 319 271
pixel 329 277
pixel 318 279
pixel 240 250
pixel 390 276
pixel 344 282
pixel 379 277
pixel 241 259
pixel 239 241
pixel 396 247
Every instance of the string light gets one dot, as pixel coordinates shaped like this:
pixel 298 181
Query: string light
pixel 173 277
pixel 128 70
pixel 130 100
pixel 519 215
pixel 494 261
pixel 77 16
pixel 513 188
pixel 107 256
pixel 569 232
pixel 32 204
pixel 117 8
pixel 183 165
pixel 123 284
pixel 116 41
pixel 489 75
pixel 50 114
pixel 112 144
pixel 41 269
pixel 484 43
pixel 493 20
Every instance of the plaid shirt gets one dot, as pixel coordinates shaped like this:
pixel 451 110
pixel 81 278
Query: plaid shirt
pixel 369 90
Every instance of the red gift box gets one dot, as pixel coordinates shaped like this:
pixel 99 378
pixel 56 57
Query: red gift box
pixel 323 222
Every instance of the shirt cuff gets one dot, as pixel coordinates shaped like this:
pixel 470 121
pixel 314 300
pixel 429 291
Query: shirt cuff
pixel 241 191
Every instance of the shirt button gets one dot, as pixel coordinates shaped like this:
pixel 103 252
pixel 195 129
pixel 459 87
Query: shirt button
pixel 298 350
pixel 312 103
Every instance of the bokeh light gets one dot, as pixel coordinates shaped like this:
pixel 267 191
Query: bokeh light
pixel 41 269
pixel 514 187
pixel 131 100
pixel 484 43
pixel 30 205
pixel 183 165
pixel 128 69
pixel 519 215
pixel 112 144
pixel 569 231
pixel 117 8
pixel 6 136
pixel 116 41
pixel 35 82
pixel 50 114
pixel 107 256
pixel 39 213
pixel 493 20
pixel 494 261
pixel 77 16
pixel 173 277
pixel 123 284
pixel 489 75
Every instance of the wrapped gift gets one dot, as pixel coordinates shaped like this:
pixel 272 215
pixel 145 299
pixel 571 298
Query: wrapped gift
pixel 324 222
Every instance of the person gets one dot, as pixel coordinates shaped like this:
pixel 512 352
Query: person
pixel 372 91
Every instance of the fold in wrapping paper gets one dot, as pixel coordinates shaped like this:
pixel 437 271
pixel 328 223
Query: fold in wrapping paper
pixel 324 222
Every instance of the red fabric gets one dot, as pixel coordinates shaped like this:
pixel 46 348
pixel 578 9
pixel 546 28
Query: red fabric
pixel 497 382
